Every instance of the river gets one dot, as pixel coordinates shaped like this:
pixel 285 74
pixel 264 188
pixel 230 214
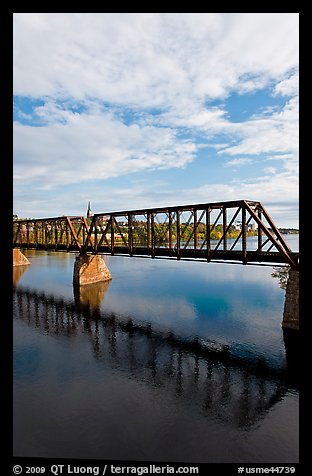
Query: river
pixel 171 361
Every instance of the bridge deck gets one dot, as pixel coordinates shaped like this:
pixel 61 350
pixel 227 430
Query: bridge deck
pixel 201 255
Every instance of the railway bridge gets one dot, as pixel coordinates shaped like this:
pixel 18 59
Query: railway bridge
pixel 218 231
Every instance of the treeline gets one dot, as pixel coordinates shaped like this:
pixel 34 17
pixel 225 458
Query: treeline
pixel 161 231
pixel 49 233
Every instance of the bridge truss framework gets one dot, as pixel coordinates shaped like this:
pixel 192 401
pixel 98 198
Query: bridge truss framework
pixel 209 231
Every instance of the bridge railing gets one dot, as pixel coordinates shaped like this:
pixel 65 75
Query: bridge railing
pixel 210 231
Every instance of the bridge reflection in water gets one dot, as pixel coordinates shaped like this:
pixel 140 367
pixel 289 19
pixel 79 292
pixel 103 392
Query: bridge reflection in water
pixel 210 377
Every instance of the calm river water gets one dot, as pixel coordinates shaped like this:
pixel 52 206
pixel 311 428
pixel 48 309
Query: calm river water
pixel 171 361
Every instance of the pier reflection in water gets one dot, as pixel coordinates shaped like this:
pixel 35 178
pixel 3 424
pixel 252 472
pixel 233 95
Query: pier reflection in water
pixel 18 272
pixel 91 383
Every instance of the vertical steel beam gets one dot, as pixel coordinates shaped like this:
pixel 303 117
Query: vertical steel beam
pixel 170 230
pixel 130 233
pixel 112 234
pixel 153 234
pixel 244 242
pixel 95 223
pixel 19 234
pixel 259 232
pixel 148 232
pixel 67 235
pixel 27 234
pixel 178 235
pixel 195 229
pixel 224 228
pixel 55 234
pixel 51 232
pixel 61 230
pixel 208 243
pixel 36 234
pixel 15 233
pixel 45 234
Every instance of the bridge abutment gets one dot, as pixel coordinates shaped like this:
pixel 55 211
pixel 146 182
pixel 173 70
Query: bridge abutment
pixel 18 258
pixel 90 269
pixel 291 305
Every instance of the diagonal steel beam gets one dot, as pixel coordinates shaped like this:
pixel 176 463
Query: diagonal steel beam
pixel 283 251
pixel 274 227
pixel 73 233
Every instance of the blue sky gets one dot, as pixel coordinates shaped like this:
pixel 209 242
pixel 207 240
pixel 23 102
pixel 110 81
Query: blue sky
pixel 134 110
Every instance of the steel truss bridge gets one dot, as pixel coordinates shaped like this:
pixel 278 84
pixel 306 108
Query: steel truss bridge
pixel 208 231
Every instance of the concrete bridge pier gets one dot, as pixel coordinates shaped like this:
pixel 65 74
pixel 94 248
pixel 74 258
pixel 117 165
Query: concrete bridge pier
pixel 18 258
pixel 291 306
pixel 90 269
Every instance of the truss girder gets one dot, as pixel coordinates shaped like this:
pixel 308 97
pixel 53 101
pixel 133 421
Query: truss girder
pixel 210 231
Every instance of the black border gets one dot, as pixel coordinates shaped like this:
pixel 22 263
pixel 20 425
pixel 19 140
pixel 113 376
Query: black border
pixel 6 286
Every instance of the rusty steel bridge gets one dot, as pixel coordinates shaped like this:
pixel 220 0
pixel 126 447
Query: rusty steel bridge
pixel 207 231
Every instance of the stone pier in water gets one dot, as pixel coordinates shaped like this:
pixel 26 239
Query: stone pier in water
pixel 18 258
pixel 291 306
pixel 90 269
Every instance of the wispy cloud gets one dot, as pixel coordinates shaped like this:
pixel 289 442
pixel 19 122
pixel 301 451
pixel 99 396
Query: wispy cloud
pixel 238 162
pixel 277 133
pixel 93 146
pixel 288 86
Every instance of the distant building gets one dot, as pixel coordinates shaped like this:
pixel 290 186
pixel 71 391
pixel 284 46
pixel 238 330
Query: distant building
pixel 89 212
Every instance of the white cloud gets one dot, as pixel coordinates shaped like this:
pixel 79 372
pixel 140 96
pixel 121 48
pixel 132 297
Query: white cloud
pixel 270 170
pixel 238 162
pixel 288 86
pixel 279 157
pixel 277 133
pixel 91 146
pixel 172 62
pixel 150 60
pixel 267 188
pixel 164 69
